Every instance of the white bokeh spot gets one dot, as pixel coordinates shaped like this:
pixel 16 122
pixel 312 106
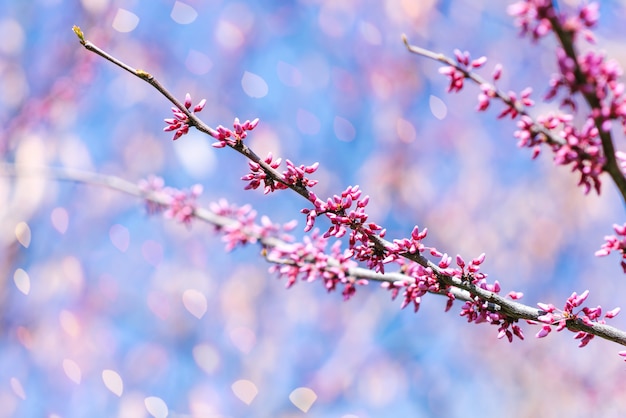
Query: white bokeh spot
pixel 125 21
pixel 183 13
pixel 254 85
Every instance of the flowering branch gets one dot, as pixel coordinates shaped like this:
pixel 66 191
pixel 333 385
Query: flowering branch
pixel 241 230
pixel 590 149
pixel 593 82
pixel 148 78
pixel 310 260
pixel 458 72
pixel 189 118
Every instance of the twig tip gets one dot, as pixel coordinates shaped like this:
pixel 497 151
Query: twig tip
pixel 79 33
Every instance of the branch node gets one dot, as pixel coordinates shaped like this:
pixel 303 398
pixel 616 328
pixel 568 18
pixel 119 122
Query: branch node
pixel 144 75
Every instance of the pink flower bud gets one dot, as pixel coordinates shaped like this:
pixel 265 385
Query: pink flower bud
pixel 479 62
pixel 462 57
pixel 479 260
pixel 497 72
pixel 515 295
pixel 577 300
pixel 546 307
pixel 545 330
pixel 613 313
pixel 200 106
pixel 253 124
pixel 620 229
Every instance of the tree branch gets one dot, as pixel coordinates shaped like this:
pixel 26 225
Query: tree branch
pixel 611 166
pixel 453 283
pixel 461 290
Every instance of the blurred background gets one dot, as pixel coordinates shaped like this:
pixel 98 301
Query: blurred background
pixel 102 306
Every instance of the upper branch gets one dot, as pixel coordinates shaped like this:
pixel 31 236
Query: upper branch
pixel 537 128
pixel 566 38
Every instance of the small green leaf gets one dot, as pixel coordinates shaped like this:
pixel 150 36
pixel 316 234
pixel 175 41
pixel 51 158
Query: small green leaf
pixel 79 33
pixel 143 74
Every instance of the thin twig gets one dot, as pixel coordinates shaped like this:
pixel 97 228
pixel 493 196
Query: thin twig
pixel 550 137
pixel 194 120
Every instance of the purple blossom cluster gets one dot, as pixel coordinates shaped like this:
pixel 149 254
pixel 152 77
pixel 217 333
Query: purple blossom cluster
pixel 180 122
pixel 235 136
pixel 424 281
pixel 579 147
pixel 347 212
pixel 296 175
pixel 536 17
pixel 458 73
pixel 243 229
pixel 293 176
pixel 183 204
pixel 561 318
pixel 258 174
pixel 177 204
pixel 475 309
pixel 150 186
pixel 310 261
pixel 533 17
pixel 589 74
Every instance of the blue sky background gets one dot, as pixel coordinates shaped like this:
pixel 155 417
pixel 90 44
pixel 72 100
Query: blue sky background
pixel 331 82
